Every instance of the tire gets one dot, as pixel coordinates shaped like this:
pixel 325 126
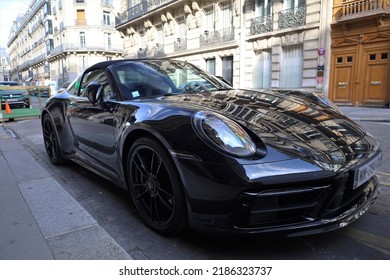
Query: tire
pixel 155 187
pixel 50 138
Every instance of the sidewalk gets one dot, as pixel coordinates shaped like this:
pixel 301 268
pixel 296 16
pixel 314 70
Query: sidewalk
pixel 39 219
pixel 367 113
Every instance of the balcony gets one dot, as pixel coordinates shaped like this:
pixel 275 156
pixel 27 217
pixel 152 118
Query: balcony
pixel 145 6
pixel 216 37
pixel 159 50
pixel 261 24
pixel 292 17
pixel 356 9
pixel 142 53
pixel 180 44
pixel 79 22
pixel 77 48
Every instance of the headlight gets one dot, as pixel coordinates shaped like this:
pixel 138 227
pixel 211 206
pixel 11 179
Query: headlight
pixel 223 134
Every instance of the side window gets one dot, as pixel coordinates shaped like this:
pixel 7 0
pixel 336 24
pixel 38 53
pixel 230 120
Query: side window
pixel 98 76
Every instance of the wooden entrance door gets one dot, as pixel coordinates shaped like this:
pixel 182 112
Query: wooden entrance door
pixel 376 80
pixel 343 77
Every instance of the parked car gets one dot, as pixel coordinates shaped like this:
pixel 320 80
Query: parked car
pixel 42 92
pixel 15 97
pixel 212 157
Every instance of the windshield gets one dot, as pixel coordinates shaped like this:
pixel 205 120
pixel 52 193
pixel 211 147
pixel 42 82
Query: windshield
pixel 157 77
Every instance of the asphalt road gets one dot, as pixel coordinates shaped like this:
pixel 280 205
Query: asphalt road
pixel 367 238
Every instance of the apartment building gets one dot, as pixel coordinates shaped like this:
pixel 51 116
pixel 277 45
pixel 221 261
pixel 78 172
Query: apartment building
pixel 250 43
pixel 4 66
pixel 360 60
pixel 57 39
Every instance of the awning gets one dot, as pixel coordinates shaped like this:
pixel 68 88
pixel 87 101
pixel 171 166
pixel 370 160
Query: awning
pixel 29 80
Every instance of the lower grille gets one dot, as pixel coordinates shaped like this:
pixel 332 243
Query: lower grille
pixel 289 206
pixel 283 206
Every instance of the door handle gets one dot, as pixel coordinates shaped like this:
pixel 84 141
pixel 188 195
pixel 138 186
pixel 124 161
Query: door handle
pixel 342 84
pixel 376 83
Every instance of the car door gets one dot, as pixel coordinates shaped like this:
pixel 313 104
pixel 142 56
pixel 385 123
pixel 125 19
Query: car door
pixel 93 125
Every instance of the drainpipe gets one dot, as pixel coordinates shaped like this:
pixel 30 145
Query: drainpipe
pixel 325 40
pixel 242 45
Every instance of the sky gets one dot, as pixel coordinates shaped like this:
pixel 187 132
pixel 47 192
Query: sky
pixel 9 10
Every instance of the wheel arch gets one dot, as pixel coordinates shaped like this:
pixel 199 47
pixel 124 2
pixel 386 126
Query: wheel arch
pixel 139 133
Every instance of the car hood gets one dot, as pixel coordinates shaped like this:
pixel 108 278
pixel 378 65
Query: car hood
pixel 282 119
pixel 11 91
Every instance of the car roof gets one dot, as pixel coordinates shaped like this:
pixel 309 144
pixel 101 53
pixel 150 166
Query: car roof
pixel 105 64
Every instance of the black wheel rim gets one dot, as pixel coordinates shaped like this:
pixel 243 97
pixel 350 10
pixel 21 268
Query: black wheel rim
pixel 152 186
pixel 50 140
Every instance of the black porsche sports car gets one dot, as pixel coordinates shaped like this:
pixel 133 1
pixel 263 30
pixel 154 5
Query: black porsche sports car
pixel 193 151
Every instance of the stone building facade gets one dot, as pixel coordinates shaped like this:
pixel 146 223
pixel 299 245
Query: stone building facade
pixel 57 39
pixel 250 43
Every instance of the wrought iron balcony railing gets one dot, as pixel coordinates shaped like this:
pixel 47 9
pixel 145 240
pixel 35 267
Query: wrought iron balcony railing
pixel 140 9
pixel 159 50
pixel 261 24
pixel 142 53
pixel 180 44
pixel 216 37
pixel 292 17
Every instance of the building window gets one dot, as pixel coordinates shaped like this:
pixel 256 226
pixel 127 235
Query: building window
pixel 81 17
pixel 83 63
pixel 181 31
pixel 291 70
pixel 291 4
pixel 106 18
pixel 210 66
pixel 49 46
pixel 227 69
pixel 107 40
pixel 160 34
pixel 263 8
pixel 209 23
pixel 226 15
pixel 47 9
pixel 262 70
pixel 82 40
pixel 48 27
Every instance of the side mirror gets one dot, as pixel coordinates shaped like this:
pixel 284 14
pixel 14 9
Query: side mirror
pixel 94 92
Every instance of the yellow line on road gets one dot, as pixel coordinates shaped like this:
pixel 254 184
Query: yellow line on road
pixel 371 240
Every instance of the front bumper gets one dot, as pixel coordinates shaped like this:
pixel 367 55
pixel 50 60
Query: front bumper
pixel 15 103
pixel 296 198
pixel 294 225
